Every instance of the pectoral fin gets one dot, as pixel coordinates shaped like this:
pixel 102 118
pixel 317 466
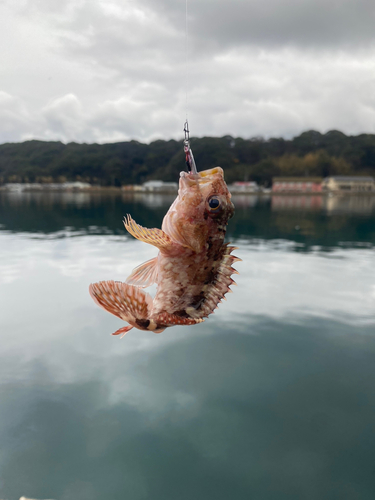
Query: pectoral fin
pixel 153 236
pixel 192 235
pixel 127 302
pixel 144 275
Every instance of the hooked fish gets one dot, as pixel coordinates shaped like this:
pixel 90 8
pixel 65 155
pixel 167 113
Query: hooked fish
pixel 193 267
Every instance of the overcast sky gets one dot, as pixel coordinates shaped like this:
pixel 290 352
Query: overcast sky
pixel 113 70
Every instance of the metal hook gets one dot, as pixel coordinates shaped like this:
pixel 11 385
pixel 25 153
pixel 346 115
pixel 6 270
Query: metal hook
pixel 187 133
pixel 189 158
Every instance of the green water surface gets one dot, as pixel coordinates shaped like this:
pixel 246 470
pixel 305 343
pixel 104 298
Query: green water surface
pixel 272 398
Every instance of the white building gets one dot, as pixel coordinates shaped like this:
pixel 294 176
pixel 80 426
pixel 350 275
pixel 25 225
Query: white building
pixel 49 186
pixel 160 187
pixel 349 184
pixel 243 187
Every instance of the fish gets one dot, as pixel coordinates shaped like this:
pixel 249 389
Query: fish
pixel 193 268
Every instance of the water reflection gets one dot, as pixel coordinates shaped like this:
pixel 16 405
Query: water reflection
pixel 49 198
pixel 330 204
pixel 297 202
pixel 364 205
pixel 151 200
pixel 249 201
pixel 240 408
pixel 271 398
pixel 308 220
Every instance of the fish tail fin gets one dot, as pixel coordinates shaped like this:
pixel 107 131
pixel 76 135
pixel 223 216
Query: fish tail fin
pixel 127 302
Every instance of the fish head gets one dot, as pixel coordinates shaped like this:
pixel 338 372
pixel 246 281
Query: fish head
pixel 201 210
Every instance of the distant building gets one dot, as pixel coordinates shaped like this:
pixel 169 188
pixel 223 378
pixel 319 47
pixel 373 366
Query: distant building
pixel 353 184
pixel 297 185
pixel 75 186
pixel 243 187
pixel 48 186
pixel 159 187
pixel 132 187
pixel 13 186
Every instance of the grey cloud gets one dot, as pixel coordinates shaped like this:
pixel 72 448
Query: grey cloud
pixel 14 118
pixel 126 41
pixel 270 98
pixel 118 69
pixel 65 118
pixel 313 23
pixel 146 30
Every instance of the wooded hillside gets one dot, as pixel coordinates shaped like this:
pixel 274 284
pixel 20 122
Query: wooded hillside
pixel 310 154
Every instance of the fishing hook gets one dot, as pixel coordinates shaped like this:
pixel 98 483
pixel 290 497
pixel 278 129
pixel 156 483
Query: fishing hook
pixel 189 158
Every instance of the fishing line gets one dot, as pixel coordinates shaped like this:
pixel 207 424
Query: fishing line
pixel 186 60
pixel 189 158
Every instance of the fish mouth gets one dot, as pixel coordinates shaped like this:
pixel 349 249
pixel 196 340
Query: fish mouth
pixel 211 171
pixel 204 177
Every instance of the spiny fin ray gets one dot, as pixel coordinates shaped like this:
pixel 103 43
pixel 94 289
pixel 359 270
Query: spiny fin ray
pixel 217 290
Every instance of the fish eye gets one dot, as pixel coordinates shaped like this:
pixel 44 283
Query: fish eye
pixel 214 203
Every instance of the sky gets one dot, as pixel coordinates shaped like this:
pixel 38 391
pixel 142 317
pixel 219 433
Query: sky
pixel 117 70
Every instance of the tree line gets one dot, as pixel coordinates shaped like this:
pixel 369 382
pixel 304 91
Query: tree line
pixel 132 162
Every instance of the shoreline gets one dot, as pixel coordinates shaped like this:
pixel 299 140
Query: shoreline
pixel 128 192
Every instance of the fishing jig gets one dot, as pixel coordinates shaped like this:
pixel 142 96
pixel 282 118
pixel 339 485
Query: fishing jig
pixel 189 158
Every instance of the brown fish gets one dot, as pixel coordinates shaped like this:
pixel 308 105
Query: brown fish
pixel 193 268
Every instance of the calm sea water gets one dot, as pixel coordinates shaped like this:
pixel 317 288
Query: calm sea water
pixel 271 398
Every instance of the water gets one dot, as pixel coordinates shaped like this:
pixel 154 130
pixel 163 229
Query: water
pixel 271 398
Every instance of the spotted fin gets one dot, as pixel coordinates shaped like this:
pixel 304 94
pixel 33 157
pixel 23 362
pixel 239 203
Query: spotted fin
pixel 153 236
pixel 127 302
pixel 144 275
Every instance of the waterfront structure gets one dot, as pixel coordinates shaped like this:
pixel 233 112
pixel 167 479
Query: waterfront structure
pixel 159 187
pixel 47 186
pixel 297 185
pixel 351 184
pixel 243 187
pixel 132 187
